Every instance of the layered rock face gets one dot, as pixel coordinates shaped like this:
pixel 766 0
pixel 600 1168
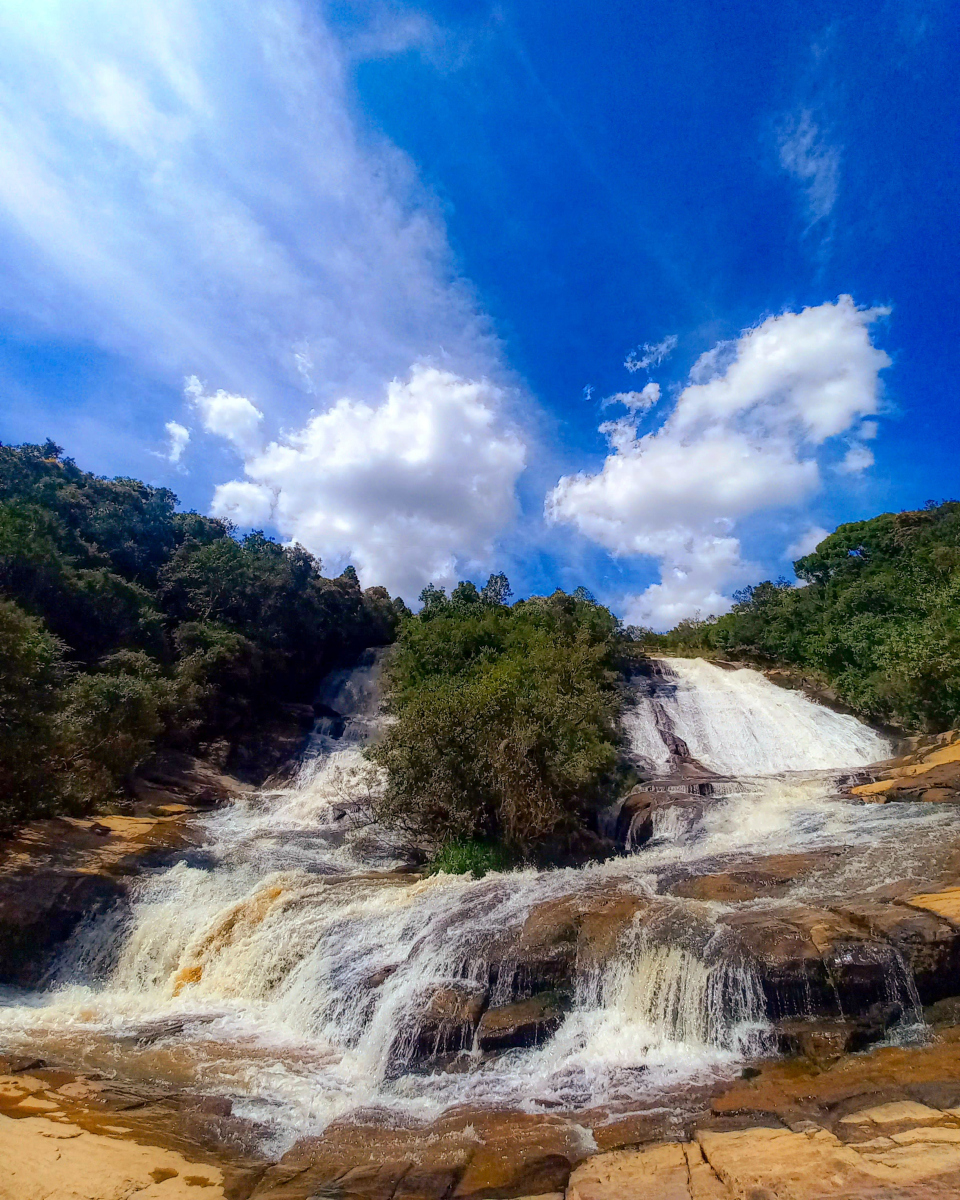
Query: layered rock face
pixel 929 771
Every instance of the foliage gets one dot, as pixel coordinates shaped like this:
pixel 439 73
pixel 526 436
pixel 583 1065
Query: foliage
pixel 505 726
pixel 877 617
pixel 30 674
pixel 470 857
pixel 145 626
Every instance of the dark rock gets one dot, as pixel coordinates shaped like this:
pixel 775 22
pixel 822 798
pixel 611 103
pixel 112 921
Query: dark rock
pixel 523 1023
pixel 39 911
pixel 174 778
pixel 446 1023
pixel 271 752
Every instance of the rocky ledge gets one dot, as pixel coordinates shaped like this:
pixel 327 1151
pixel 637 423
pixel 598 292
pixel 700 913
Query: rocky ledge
pixel 928 771
pixel 55 873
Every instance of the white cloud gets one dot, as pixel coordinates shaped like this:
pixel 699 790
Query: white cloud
pixel 188 185
pixel 651 354
pixel 806 154
pixel 742 438
pixel 179 439
pixel 857 459
pixel 185 184
pixel 227 416
pixel 637 401
pixel 806 543
pixel 408 489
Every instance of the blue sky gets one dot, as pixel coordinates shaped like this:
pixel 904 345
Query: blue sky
pixel 369 275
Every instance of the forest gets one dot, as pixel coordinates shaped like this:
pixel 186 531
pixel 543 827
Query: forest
pixel 127 625
pixel 875 617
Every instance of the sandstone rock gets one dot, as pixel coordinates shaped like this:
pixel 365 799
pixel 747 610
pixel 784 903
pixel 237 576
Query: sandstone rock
pixel 769 876
pixel 41 1161
pixel 524 1023
pixel 467 1155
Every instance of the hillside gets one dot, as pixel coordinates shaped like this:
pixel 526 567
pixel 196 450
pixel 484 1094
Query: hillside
pixel 876 616
pixel 127 625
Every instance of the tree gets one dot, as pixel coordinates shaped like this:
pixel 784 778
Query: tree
pixel 30 675
pixel 505 723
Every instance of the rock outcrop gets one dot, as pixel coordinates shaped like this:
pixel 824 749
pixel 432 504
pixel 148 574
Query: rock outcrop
pixel 929 771
pixel 57 872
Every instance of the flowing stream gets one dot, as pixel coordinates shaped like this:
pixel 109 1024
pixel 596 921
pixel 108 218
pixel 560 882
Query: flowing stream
pixel 290 965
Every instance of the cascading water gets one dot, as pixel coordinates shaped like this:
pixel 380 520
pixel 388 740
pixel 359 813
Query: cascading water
pixel 291 966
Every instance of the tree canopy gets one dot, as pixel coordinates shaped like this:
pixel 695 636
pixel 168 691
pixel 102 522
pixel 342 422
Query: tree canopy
pixel 141 625
pixel 505 718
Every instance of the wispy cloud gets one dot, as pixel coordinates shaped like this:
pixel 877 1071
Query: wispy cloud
pixel 651 354
pixel 186 185
pixel 814 162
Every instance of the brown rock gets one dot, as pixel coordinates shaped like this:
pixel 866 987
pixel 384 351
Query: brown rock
pixel 524 1023
pixel 468 1155
pixel 174 778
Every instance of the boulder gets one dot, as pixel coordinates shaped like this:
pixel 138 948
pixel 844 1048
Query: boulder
pixel 523 1023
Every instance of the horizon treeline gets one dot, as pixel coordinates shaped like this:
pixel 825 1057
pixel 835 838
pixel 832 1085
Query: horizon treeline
pixel 128 625
pixel 876 617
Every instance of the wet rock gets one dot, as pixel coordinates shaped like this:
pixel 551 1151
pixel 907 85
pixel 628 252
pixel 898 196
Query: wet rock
pixel 824 1042
pixel 270 753
pixel 39 911
pixel 467 1155
pixel 928 944
pixel 645 814
pixel 817 962
pixel 770 876
pixel 173 778
pixel 446 1023
pixel 524 1023
pixel 55 873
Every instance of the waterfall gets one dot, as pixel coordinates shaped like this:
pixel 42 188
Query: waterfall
pixel 736 722
pixel 290 966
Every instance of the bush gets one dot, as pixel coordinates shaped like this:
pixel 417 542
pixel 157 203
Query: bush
pixel 470 858
pixel 505 728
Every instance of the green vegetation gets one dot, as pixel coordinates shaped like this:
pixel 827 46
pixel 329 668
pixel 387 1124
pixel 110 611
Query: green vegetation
pixel 505 733
pixel 470 858
pixel 878 619
pixel 126 625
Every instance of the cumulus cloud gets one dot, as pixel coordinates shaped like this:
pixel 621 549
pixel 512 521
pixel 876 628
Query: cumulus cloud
pixel 228 416
pixel 410 490
pixel 806 543
pixel 651 354
pixel 637 401
pixel 178 438
pixel 742 437
pixel 807 155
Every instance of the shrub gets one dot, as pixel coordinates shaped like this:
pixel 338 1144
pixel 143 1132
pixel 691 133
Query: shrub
pixel 505 726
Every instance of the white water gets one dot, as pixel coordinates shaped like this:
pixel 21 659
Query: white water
pixel 736 722
pixel 277 969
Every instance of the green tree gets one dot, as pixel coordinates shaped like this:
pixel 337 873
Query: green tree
pixel 505 724
pixel 30 675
